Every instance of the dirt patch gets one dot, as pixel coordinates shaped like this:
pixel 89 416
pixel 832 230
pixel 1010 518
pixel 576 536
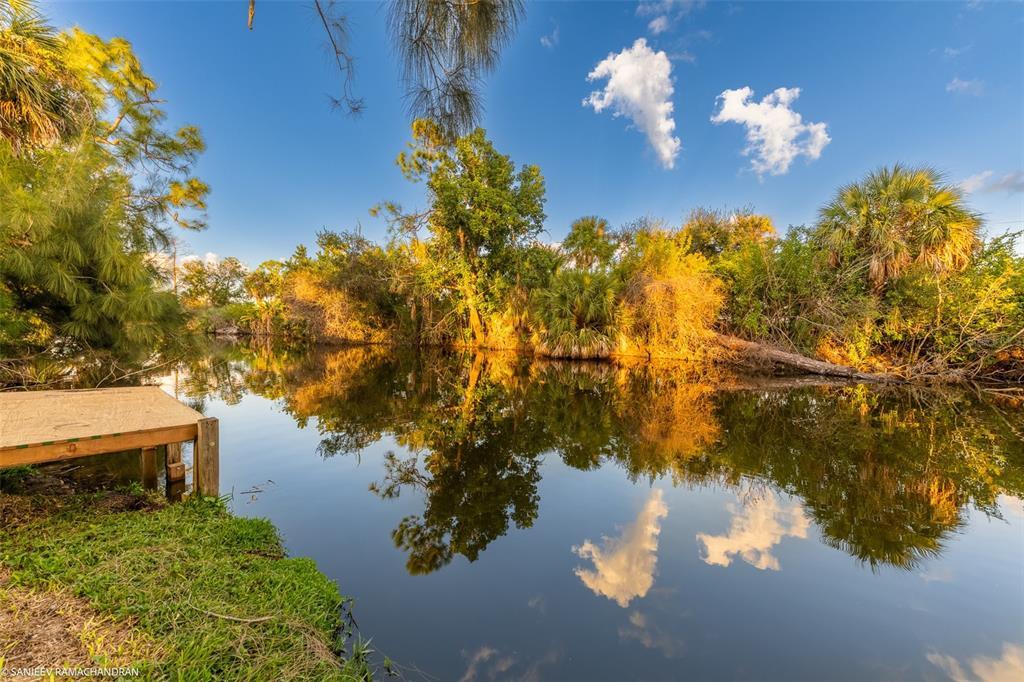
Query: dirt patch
pixel 52 628
pixel 123 502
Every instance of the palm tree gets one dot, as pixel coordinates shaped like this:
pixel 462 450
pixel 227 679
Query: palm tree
pixel 575 315
pixel 39 101
pixel 590 242
pixel 898 217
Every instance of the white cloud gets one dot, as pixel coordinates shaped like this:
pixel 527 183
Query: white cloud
pixel 210 258
pixel 1011 183
pixel 550 40
pixel 954 52
pixel 975 182
pixel 624 566
pixel 755 530
pixel 658 25
pixel 640 87
pixel 965 87
pixel 775 133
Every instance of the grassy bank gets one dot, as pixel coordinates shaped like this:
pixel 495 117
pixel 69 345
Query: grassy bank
pixel 182 591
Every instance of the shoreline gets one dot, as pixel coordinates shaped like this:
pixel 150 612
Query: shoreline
pixel 122 579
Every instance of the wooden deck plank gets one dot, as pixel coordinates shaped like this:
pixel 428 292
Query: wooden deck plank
pixel 47 418
pixel 55 452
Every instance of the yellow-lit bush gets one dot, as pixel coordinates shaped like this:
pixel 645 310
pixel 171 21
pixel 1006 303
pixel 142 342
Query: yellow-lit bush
pixel 669 300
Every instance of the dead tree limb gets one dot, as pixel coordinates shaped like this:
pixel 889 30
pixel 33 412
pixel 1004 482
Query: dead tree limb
pixel 761 354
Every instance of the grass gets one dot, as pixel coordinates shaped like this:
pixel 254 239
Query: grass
pixel 212 594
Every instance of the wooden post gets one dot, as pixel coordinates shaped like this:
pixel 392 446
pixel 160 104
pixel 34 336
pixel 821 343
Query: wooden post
pixel 206 458
pixel 173 466
pixel 149 467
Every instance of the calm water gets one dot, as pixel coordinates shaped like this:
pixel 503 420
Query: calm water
pixel 499 519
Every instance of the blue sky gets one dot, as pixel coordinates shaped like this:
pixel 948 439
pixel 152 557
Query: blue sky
pixel 940 83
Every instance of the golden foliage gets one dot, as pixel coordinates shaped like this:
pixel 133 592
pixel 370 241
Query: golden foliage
pixel 670 300
pixel 328 313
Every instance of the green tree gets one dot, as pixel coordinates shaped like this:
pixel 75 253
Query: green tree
pixel 483 216
pixel 715 233
pixel 79 220
pixel 72 279
pixel 590 243
pixel 898 217
pixel 212 284
pixel 129 123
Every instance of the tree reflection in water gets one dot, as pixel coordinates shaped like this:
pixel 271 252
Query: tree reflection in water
pixel 886 474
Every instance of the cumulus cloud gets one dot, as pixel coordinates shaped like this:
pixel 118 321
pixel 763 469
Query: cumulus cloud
pixel 985 181
pixel 640 88
pixel 210 258
pixel 959 86
pixel 624 566
pixel 775 133
pixel 550 40
pixel 755 530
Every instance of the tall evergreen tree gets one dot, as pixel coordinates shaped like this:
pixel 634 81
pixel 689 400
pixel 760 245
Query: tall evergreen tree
pixel 82 212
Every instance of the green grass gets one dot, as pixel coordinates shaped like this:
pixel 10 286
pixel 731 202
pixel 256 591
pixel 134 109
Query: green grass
pixel 176 572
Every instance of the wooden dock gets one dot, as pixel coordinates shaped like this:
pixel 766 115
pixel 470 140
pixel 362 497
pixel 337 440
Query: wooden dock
pixel 50 426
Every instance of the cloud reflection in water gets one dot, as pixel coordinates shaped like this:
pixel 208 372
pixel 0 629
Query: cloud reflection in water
pixel 624 566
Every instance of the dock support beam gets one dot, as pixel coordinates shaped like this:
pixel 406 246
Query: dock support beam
pixel 174 468
pixel 149 467
pixel 206 456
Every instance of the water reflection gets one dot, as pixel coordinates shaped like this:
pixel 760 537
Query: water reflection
pixel 756 528
pixel 489 663
pixel 1007 667
pixel 624 566
pixel 886 475
pixel 643 629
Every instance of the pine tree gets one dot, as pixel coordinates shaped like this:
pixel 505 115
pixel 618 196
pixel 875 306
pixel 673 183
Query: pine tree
pixel 82 210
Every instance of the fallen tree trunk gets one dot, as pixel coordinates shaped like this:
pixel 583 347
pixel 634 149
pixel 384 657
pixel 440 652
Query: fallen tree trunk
pixel 762 354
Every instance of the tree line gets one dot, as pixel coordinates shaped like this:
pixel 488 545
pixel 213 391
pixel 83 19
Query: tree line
pixel 893 277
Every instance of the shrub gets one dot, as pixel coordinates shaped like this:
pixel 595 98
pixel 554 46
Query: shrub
pixel 574 315
pixel 670 298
